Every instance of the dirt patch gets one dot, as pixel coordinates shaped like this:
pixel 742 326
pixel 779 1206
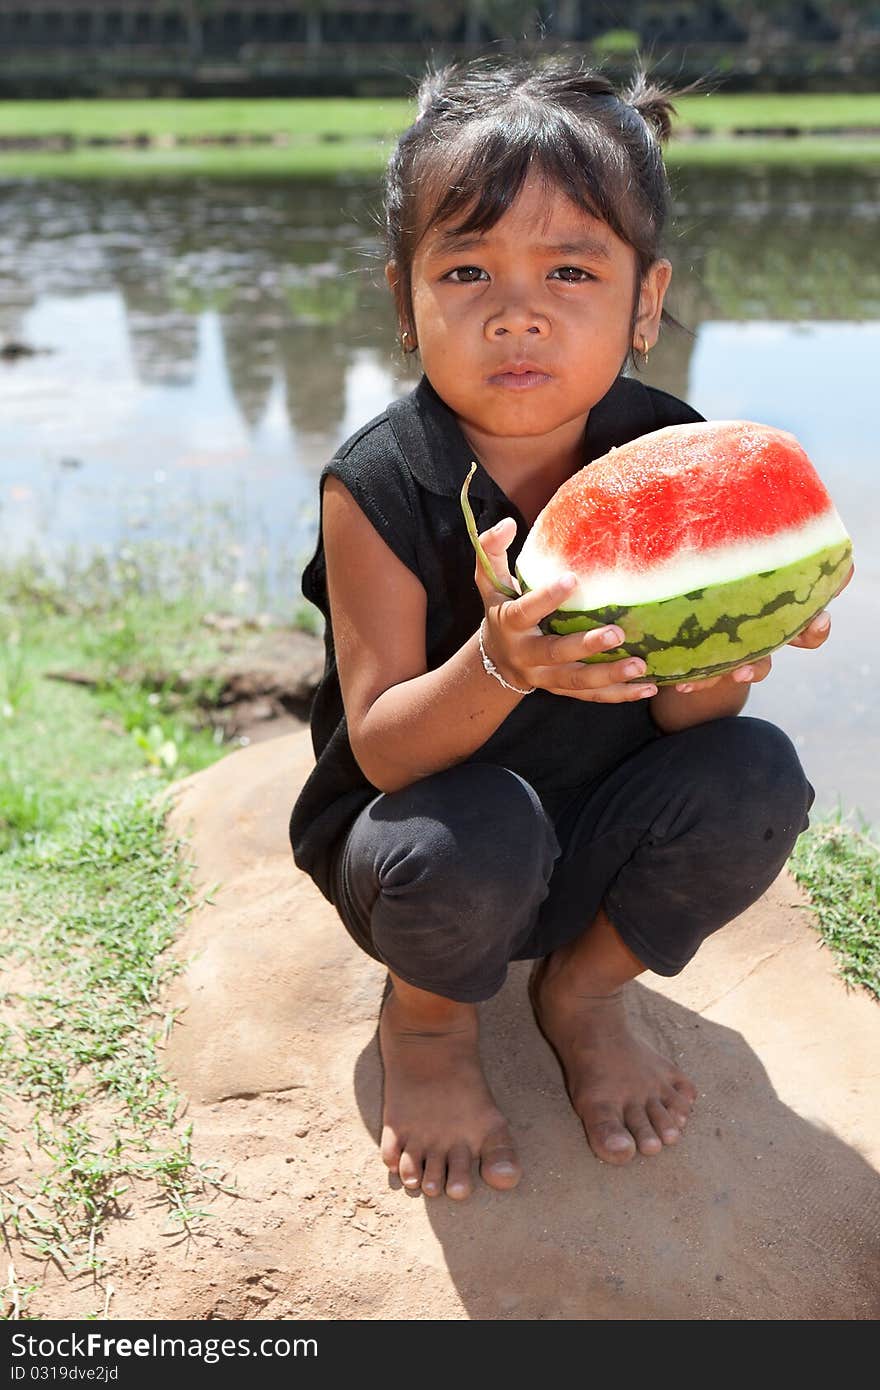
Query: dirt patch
pixel 264 677
pixel 768 1209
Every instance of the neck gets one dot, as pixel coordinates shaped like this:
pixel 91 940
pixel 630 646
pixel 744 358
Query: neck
pixel 529 469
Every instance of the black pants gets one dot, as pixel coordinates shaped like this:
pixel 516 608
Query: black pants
pixel 450 879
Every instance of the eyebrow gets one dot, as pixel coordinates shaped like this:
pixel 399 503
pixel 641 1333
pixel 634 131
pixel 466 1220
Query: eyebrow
pixel 583 246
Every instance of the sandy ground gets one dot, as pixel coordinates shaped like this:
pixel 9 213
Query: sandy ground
pixel 768 1209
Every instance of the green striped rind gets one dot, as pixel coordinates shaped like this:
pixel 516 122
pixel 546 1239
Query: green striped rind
pixel 712 630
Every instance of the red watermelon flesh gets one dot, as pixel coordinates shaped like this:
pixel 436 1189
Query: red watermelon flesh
pixel 710 544
pixel 687 488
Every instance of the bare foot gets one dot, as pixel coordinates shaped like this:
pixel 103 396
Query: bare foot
pixel 439 1113
pixel 627 1096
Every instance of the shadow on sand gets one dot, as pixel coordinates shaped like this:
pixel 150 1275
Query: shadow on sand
pixel 756 1214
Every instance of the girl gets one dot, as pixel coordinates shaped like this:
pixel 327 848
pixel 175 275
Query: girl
pixel 481 795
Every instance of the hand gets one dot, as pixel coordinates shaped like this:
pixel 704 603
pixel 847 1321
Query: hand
pixel 749 674
pixel 812 636
pixel 819 630
pixel 525 656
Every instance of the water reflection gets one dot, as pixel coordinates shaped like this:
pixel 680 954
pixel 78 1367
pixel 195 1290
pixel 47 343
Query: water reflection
pixel 209 345
pixel 293 274
pixel 817 379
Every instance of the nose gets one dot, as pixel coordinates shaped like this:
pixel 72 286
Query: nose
pixel 515 318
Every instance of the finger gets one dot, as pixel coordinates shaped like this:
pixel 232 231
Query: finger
pixel 526 612
pixel 578 646
pixel 626 694
pixel 495 543
pixel 818 629
pixel 499 536
pixel 742 675
pixel 537 653
pixel 688 687
pixel 815 633
pixel 748 674
pixel 852 570
pixel 594 675
pixel 762 669
pixel 752 671
pixel 604 683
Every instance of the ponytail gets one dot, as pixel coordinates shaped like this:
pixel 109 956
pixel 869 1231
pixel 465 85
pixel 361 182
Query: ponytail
pixel 653 103
pixel 430 91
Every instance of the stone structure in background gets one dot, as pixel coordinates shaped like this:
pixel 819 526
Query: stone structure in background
pixel 366 47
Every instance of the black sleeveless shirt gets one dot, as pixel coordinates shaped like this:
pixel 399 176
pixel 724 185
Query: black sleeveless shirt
pixel 405 469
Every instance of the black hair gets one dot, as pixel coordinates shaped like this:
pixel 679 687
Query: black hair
pixel 483 126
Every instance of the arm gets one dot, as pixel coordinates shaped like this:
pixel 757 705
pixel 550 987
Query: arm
pixel 405 722
pixel 673 709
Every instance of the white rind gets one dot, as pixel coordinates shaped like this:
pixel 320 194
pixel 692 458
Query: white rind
pixel 620 587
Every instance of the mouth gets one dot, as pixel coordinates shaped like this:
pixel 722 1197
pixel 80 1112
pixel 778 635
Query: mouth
pixel 519 376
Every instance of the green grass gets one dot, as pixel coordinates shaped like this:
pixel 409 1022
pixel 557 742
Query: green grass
pixel 92 892
pixel 334 136
pixel 368 119
pixel 807 151
pixel 840 869
pixel 306 117
pixel 105 892
pixel 721 113
pixel 312 161
pixel 123 638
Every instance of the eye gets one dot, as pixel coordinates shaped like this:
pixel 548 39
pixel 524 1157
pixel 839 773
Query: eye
pixel 465 274
pixel 572 274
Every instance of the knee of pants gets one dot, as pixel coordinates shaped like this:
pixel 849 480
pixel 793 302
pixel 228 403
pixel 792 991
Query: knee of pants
pixel 754 777
pixel 473 841
pixel 729 835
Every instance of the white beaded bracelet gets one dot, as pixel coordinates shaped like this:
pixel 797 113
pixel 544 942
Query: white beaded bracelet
pixel 492 670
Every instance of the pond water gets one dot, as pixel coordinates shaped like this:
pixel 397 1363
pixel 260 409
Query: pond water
pixel 203 347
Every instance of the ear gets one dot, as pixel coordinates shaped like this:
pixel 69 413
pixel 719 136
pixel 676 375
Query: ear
pixel 652 293
pixel 393 278
pixel 396 287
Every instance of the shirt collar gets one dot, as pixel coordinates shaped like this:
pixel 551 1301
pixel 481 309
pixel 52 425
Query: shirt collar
pixel 439 456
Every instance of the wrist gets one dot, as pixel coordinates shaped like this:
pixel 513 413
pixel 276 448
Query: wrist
pixel 515 683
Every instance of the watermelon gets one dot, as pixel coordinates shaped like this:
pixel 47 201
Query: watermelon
pixel 709 544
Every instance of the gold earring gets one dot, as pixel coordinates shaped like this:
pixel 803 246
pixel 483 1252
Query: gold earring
pixel 403 341
pixel 645 349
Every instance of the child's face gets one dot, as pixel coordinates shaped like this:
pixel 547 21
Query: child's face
pixel 548 286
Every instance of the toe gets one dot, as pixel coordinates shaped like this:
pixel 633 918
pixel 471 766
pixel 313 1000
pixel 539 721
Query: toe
pixel 410 1169
pixel 663 1122
pixel 391 1149
pixel 459 1183
pixel 682 1099
pixel 434 1174
pixel 686 1089
pixel 647 1139
pixel 499 1165
pixel 607 1136
pixel 678 1107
